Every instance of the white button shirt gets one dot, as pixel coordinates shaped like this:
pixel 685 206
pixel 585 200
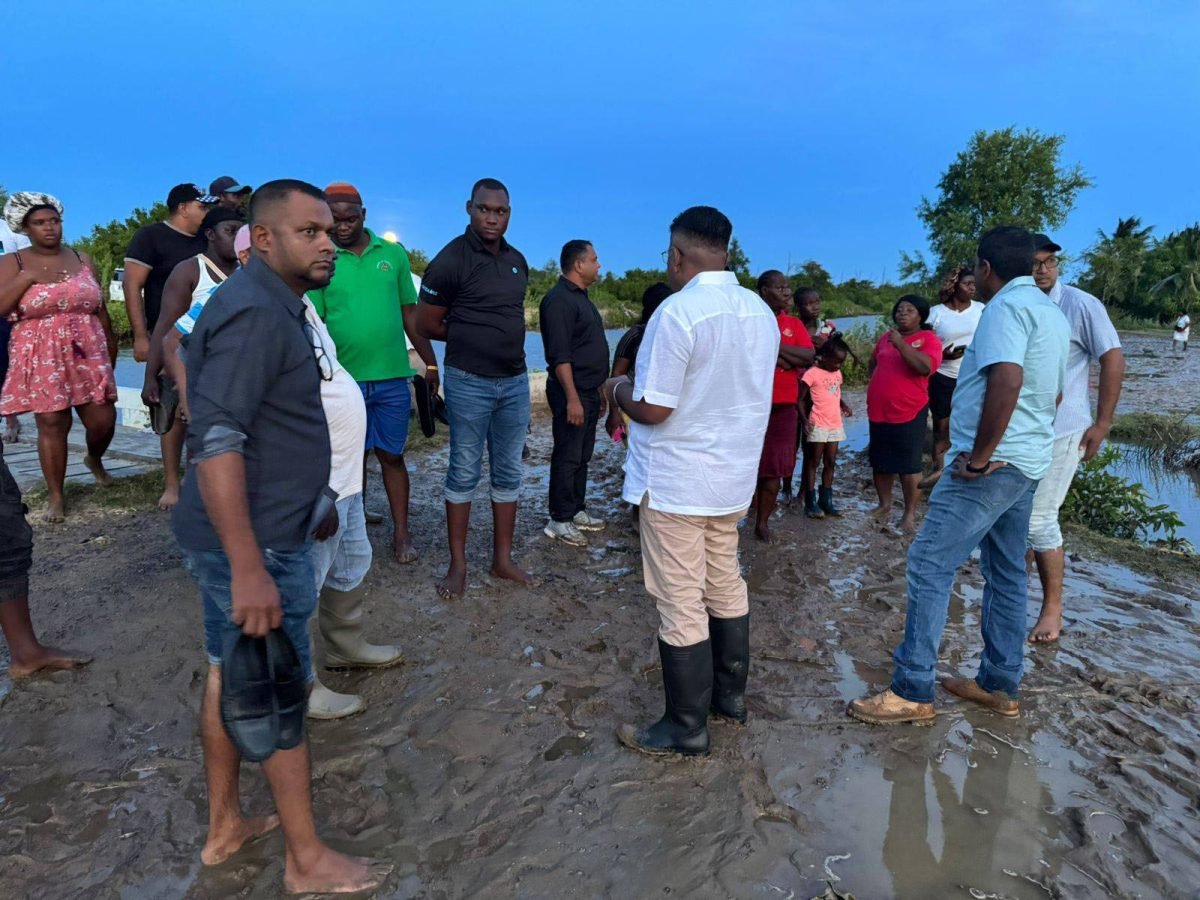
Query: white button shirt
pixel 709 354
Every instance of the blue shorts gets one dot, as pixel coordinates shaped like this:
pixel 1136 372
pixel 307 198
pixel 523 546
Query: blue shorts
pixel 389 405
pixel 292 572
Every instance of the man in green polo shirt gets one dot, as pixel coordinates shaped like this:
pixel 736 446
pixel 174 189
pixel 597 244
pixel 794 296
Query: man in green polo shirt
pixel 368 308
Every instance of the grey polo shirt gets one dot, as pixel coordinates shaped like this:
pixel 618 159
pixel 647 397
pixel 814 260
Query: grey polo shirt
pixel 254 388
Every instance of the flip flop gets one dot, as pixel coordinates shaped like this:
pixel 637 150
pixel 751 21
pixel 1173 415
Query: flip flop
pixel 424 406
pixel 162 416
pixel 263 694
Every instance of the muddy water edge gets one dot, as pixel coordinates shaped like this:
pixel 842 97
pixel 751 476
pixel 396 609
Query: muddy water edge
pixel 487 766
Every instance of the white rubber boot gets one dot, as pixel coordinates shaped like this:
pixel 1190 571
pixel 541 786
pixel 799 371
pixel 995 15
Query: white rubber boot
pixel 326 704
pixel 340 618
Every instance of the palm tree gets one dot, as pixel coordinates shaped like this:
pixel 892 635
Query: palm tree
pixel 1183 282
pixel 1116 261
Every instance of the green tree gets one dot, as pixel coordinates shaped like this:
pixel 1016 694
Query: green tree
pixel 1115 262
pixel 107 243
pixel 418 260
pixel 1180 286
pixel 1002 178
pixel 739 262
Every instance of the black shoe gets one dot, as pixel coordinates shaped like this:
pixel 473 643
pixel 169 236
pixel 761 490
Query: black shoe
pixel 811 509
pixel 731 665
pixel 688 684
pixel 263 694
pixel 826 502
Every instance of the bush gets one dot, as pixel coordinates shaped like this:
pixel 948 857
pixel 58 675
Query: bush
pixel 120 321
pixel 1106 503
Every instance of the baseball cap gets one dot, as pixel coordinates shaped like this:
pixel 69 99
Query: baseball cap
pixel 227 184
pixel 186 193
pixel 1043 242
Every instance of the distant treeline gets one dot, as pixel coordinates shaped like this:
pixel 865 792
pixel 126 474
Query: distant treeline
pixel 1139 276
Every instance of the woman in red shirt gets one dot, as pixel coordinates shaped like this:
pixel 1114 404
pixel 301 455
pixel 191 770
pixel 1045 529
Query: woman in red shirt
pixel 898 404
pixel 779 446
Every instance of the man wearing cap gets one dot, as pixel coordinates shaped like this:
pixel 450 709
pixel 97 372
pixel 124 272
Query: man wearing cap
pixel 154 252
pixel 230 192
pixel 1076 436
pixel 369 307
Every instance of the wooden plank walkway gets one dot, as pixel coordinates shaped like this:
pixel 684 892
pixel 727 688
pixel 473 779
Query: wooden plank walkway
pixel 133 451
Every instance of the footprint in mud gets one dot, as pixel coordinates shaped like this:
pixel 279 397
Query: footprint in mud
pixel 568 745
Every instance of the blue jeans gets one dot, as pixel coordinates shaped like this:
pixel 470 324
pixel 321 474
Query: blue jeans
pixel 991 513
pixel 291 570
pixel 342 561
pixel 491 411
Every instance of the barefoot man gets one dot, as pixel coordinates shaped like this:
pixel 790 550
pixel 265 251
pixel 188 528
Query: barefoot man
pixel 473 298
pixel 260 455
pixel 1076 436
pixel 1001 444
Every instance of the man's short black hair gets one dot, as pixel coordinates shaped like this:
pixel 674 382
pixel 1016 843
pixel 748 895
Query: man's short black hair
pixel 219 214
pixel 488 184
pixel 572 252
pixel 706 226
pixel 275 192
pixel 804 291
pixel 768 276
pixel 652 299
pixel 1010 251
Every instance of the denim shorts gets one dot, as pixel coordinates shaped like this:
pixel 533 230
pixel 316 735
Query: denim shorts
pixel 491 412
pixel 389 406
pixel 292 573
pixel 342 562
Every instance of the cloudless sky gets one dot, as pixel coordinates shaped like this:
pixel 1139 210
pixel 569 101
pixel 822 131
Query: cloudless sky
pixel 816 127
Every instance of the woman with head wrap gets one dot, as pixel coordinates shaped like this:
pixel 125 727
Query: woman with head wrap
pixel 62 349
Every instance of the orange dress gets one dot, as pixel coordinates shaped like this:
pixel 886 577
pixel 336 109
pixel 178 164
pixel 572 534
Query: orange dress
pixel 58 355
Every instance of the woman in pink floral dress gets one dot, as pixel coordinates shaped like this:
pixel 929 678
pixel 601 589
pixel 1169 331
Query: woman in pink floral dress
pixel 62 349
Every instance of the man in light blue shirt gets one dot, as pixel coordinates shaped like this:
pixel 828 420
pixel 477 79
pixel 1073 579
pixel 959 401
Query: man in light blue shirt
pixel 1076 436
pixel 1002 436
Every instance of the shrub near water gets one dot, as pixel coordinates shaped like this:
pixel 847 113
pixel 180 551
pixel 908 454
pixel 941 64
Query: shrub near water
pixel 1106 503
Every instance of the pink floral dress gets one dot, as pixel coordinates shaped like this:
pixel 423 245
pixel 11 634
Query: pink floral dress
pixel 58 356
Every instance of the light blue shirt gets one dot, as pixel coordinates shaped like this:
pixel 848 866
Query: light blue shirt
pixel 1022 326
pixel 1092 335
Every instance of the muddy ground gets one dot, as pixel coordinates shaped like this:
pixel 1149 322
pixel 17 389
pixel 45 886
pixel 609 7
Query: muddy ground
pixel 486 766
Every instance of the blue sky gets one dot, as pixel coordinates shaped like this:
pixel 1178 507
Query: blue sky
pixel 815 126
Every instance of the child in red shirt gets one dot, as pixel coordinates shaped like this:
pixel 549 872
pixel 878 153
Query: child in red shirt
pixel 821 394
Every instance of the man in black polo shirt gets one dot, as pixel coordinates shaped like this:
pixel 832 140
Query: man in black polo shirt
pixel 577 364
pixel 473 298
pixel 259 446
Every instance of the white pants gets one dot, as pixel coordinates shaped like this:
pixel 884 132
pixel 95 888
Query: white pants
pixel 1044 531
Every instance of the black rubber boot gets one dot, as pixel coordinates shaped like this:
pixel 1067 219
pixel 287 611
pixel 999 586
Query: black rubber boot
pixel 731 665
pixel 826 502
pixel 810 506
pixel 688 684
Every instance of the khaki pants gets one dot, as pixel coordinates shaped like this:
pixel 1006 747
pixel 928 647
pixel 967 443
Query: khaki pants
pixel 690 564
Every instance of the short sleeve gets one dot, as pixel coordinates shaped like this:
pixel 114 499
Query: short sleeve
pixel 810 376
pixel 627 346
pixel 663 360
pixel 440 285
pixel 1002 336
pixel 1099 335
pixel 404 280
pixel 142 249
pixel 932 347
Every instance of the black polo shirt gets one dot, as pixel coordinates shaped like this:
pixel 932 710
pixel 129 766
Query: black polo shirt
pixel 485 296
pixel 254 388
pixel 160 247
pixel 573 332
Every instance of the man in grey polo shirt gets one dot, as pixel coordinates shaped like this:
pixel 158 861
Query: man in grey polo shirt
pixel 1076 436
pixel 259 451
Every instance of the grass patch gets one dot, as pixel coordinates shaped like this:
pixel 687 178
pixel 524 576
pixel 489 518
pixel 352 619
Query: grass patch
pixel 133 493
pixel 1170 565
pixel 1159 430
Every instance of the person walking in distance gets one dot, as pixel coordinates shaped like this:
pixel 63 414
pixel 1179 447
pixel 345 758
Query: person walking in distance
pixel 369 309
pixel 244 518
pixel 473 298
pixel 700 402
pixel 154 252
pixel 577 365
pixel 1001 445
pixel 1076 437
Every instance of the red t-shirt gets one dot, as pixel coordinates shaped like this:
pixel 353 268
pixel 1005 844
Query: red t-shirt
pixel 896 392
pixel 792 333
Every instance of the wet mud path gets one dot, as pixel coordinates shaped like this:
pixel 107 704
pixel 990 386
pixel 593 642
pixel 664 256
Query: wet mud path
pixel 486 766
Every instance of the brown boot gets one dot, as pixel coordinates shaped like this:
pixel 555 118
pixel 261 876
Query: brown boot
pixel 887 708
pixel 997 701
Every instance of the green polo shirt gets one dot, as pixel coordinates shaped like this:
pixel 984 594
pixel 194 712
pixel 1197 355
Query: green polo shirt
pixel 362 308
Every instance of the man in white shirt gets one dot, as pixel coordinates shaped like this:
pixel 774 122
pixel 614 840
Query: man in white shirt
pixel 698 412
pixel 341 561
pixel 1183 331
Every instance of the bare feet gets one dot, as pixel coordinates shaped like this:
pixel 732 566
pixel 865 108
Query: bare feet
pixel 227 841
pixel 12 430
pixel 908 525
pixel 56 510
pixel 452 586
pixel 881 513
pixel 47 658
pixel 331 872
pixel 169 498
pixel 763 533
pixel 96 467
pixel 511 571
pixel 403 550
pixel 1048 627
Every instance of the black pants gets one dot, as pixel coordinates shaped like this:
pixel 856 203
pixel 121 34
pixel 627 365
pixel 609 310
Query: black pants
pixel 573 445
pixel 16 538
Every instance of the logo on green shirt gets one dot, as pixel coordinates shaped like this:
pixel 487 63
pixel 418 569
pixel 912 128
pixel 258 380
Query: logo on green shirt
pixel 384 266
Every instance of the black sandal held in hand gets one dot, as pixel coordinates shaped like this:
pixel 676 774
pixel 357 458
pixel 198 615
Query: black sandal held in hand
pixel 263 694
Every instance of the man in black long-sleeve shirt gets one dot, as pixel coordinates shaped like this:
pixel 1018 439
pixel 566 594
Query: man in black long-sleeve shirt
pixel 577 364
